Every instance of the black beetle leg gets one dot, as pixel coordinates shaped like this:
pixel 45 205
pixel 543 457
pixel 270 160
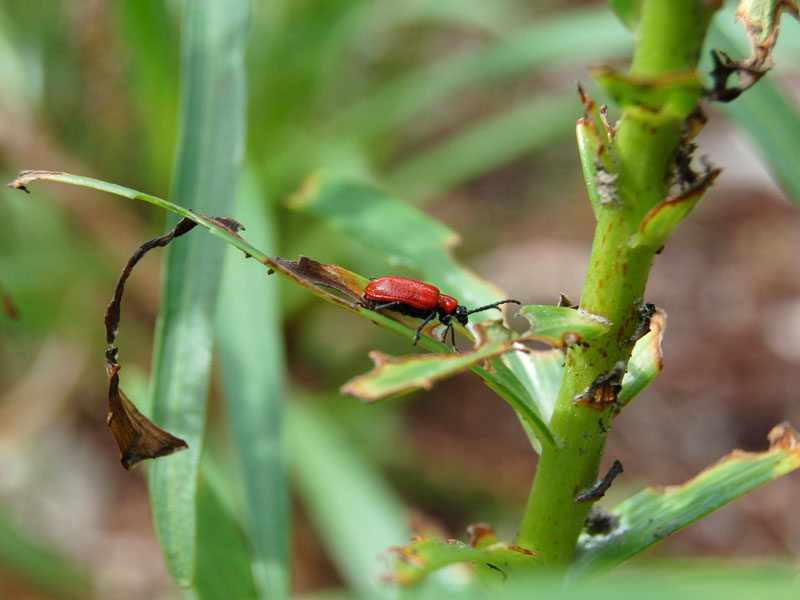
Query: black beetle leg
pixel 427 320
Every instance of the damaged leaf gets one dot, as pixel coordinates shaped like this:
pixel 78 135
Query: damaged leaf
pixel 595 136
pixel 494 561
pixel 645 362
pixel 657 512
pixel 761 19
pixel 560 326
pixel 313 274
pixel 418 241
pixel 222 227
pixel 392 376
pixel 555 325
pixel 137 436
pixel 663 218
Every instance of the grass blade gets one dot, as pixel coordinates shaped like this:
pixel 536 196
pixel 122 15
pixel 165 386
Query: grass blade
pixel 211 144
pixel 252 367
pixel 223 559
pixel 554 42
pixel 486 145
pixel 357 515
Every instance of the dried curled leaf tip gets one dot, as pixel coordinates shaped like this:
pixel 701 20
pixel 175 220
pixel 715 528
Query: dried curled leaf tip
pixel 137 436
pixel 783 437
pixel 25 177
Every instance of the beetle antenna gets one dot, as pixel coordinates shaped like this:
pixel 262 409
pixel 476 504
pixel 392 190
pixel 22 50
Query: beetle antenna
pixel 494 305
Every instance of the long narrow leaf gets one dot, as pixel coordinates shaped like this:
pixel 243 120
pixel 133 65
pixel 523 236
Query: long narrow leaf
pixel 210 147
pixel 487 145
pixel 252 364
pixel 223 559
pixel 549 43
pixel 356 513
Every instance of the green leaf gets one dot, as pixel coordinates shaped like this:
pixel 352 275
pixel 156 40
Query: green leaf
pixel 223 559
pixel 544 371
pixel 215 226
pixel 485 145
pixel 210 147
pixel 764 112
pixel 392 376
pixel 561 326
pixel 645 362
pixel 252 365
pixel 657 512
pixel 595 136
pixel 551 43
pixel 414 239
pixel 353 509
pixel 627 11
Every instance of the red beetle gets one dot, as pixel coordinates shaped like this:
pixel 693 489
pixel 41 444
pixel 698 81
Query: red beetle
pixel 422 301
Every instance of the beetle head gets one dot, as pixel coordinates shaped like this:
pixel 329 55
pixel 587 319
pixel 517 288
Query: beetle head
pixel 461 314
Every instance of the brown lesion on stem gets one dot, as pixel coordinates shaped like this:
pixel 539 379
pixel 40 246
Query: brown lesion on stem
pixel 646 312
pixel 604 390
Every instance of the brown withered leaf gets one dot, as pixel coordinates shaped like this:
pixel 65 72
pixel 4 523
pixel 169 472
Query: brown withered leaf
pixel 310 272
pixel 25 177
pixel 114 308
pixel 761 19
pixel 137 436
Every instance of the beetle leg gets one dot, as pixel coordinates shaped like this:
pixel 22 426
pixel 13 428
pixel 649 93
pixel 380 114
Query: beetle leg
pixel 427 320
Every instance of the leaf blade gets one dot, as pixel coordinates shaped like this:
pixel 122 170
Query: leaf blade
pixel 211 143
pixel 251 360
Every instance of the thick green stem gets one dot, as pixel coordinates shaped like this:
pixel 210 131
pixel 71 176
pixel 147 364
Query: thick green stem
pixel 670 36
